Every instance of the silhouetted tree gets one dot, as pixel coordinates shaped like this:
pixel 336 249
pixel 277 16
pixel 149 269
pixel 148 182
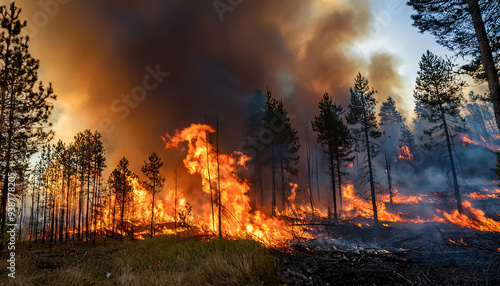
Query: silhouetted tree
pixel 334 135
pixel 439 92
pixel 24 108
pixel 390 123
pixel 364 127
pixel 470 28
pixel 120 185
pixel 154 182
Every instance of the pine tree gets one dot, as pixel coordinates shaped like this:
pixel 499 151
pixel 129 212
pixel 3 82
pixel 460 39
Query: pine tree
pixel 390 123
pixel 284 144
pixel 470 28
pixel 364 127
pixel 119 183
pixel 439 92
pixel 154 182
pixel 24 108
pixel 334 135
pixel 407 139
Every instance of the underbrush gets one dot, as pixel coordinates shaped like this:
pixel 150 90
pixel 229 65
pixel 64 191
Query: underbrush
pixel 163 260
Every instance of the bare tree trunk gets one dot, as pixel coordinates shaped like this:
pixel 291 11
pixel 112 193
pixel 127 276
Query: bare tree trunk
pixel 370 167
pixel 273 211
pixel 332 175
pixel 219 197
pixel 388 169
pixel 210 182
pixel 486 56
pixel 317 175
pixel 452 162
pixel 339 177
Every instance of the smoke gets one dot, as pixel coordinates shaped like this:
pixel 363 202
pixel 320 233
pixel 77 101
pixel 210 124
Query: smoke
pixel 98 54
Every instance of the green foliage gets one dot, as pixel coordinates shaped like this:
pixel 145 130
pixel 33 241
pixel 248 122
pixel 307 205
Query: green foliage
pixel 451 23
pixel 151 169
pixel 407 138
pixel 438 94
pixel 286 138
pixel 331 131
pixel 362 117
pixel 389 115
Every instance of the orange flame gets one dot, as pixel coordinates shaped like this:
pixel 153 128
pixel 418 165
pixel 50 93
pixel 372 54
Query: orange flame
pixel 405 154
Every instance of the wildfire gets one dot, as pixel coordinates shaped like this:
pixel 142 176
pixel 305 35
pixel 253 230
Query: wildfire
pixel 237 218
pixel 291 198
pixel 466 140
pixel 479 221
pixel 484 195
pixel 405 154
pixel 193 210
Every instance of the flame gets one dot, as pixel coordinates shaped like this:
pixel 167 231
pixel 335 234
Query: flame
pixel 237 218
pixel 479 221
pixel 291 198
pixel 466 140
pixel 484 195
pixel 487 144
pixel 405 154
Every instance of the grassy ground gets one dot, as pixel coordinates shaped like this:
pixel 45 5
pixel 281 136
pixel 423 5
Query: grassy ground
pixel 163 260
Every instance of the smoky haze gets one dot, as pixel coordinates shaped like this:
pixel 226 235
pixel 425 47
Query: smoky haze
pixel 97 53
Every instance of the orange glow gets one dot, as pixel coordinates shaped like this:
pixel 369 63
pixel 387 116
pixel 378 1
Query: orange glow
pixel 237 218
pixel 466 140
pixel 291 198
pixel 479 221
pixel 484 195
pixel 405 154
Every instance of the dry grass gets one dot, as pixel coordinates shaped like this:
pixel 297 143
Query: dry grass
pixel 164 260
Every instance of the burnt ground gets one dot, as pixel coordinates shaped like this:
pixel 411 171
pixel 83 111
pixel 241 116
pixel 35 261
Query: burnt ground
pixel 401 254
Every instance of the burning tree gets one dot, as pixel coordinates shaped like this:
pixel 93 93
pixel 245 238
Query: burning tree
pixel 121 187
pixel 439 92
pixel 407 140
pixel 334 135
pixel 154 182
pixel 364 127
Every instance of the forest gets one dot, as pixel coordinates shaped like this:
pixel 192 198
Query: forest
pixel 359 180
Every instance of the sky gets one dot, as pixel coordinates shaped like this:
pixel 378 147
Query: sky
pixel 136 70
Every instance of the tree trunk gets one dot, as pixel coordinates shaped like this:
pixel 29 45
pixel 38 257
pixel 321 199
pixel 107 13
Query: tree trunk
pixel 339 176
pixel 370 167
pixel 389 181
pixel 219 197
pixel 317 175
pixel 452 162
pixel 273 210
pixel 486 56
pixel 332 175
pixel 284 200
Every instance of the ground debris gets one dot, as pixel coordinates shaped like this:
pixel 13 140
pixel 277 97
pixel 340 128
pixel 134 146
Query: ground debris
pixel 306 264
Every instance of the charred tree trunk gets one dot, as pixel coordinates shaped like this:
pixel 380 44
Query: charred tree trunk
pixel 284 200
pixel 317 175
pixel 389 181
pixel 452 162
pixel 370 167
pixel 339 177
pixel 219 197
pixel 332 177
pixel 273 204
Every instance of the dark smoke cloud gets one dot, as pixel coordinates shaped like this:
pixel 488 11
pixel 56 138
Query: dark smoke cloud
pixel 95 51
